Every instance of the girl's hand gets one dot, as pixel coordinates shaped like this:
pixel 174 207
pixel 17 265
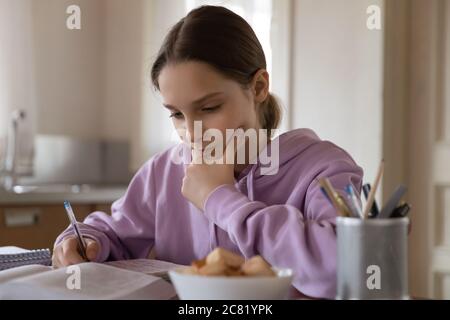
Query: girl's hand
pixel 66 253
pixel 201 178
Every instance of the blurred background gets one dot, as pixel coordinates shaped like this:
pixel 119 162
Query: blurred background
pixel 78 115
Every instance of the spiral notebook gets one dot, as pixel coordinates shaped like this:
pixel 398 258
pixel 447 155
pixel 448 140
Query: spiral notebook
pixel 17 259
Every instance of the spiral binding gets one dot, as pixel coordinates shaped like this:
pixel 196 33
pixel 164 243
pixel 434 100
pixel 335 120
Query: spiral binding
pixel 40 256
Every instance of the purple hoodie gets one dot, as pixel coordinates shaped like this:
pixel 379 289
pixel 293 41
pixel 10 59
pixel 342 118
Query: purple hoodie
pixel 283 217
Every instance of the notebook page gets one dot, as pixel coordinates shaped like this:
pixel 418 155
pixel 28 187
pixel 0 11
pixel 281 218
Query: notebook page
pixel 147 266
pixel 12 250
pixel 22 271
pixel 157 268
pixel 97 281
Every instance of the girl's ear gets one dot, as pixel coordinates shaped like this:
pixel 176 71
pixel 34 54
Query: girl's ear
pixel 260 86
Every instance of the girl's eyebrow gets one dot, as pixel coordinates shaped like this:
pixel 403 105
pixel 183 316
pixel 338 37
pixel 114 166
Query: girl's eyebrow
pixel 206 97
pixel 196 102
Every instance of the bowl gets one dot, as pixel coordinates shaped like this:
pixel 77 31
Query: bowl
pixel 198 287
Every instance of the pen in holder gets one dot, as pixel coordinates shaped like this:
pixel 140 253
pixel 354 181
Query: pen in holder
pixel 372 260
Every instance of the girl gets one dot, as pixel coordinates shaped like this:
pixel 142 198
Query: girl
pixel 211 69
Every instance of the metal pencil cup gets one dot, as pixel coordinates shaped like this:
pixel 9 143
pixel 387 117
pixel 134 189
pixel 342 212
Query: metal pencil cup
pixel 372 258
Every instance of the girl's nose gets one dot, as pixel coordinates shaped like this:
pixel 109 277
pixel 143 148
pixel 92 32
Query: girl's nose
pixel 194 133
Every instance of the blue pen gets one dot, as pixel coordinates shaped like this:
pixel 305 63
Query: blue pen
pixel 325 194
pixel 353 200
pixel 341 205
pixel 73 221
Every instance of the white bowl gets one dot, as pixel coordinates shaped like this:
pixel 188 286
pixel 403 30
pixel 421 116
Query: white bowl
pixel 197 287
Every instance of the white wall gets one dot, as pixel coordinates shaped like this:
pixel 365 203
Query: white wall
pixel 94 83
pixel 17 86
pixel 91 83
pixel 123 65
pixel 337 76
pixel 152 130
pixel 89 79
pixel 68 69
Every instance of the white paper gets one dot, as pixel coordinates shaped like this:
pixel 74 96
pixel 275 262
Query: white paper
pixel 12 250
pixel 148 266
pixel 22 271
pixel 97 281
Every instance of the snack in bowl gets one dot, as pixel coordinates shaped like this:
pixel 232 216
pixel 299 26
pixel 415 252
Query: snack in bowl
pixel 224 275
pixel 221 262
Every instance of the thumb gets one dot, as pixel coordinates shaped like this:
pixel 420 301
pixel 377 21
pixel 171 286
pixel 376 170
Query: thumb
pixel 92 249
pixel 197 155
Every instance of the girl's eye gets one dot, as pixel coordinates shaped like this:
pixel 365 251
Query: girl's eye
pixel 176 115
pixel 211 108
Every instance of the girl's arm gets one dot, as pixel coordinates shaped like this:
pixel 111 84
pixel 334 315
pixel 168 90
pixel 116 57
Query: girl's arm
pixel 285 236
pixel 129 231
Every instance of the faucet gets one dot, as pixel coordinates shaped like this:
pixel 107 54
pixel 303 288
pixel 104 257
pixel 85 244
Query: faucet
pixel 9 172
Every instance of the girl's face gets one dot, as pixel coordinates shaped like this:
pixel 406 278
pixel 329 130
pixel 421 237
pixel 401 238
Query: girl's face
pixel 194 91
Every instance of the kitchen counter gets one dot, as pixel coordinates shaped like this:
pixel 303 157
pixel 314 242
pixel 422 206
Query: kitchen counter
pixel 97 195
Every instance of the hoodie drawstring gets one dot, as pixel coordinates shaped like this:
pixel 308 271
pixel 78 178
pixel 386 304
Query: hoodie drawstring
pixel 249 178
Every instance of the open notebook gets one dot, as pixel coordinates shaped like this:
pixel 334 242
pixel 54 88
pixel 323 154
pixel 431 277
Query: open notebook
pixel 128 279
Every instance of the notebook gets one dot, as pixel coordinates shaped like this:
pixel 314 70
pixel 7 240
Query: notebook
pixel 11 257
pixel 152 267
pixel 127 279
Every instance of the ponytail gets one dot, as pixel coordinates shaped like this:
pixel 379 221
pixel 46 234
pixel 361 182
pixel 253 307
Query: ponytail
pixel 270 114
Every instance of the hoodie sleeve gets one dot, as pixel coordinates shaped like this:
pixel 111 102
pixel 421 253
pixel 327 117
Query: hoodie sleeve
pixel 128 233
pixel 283 234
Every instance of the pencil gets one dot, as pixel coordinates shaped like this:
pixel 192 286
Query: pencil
pixel 334 197
pixel 371 197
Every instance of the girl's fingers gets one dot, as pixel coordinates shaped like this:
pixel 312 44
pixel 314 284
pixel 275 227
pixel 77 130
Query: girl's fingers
pixel 66 253
pixel 57 252
pixel 230 150
pixel 197 155
pixel 92 249
pixel 70 253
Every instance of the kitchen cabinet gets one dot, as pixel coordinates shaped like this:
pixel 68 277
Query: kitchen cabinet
pixel 37 226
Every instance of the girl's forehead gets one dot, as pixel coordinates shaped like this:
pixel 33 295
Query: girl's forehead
pixel 182 73
pixel 185 82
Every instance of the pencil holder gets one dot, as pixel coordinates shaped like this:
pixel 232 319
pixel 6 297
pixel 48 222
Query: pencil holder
pixel 372 258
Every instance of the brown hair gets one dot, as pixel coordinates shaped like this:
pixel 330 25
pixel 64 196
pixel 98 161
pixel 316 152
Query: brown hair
pixel 224 40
